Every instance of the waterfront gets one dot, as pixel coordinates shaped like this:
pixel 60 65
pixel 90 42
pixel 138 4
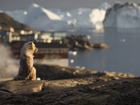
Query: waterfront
pixel 122 57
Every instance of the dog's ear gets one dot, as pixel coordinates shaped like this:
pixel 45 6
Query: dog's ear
pixel 31 42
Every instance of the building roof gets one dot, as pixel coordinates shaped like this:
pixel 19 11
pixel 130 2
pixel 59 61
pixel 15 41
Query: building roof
pixel 50 45
pixel 53 32
pixel 39 44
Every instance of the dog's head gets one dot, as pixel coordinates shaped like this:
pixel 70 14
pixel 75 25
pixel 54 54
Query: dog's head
pixel 32 46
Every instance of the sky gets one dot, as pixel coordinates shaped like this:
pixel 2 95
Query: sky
pixel 64 5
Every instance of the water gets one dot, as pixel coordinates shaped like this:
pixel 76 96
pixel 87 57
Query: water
pixel 124 55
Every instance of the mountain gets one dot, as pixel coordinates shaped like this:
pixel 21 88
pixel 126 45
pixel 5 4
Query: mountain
pixel 6 22
pixel 121 15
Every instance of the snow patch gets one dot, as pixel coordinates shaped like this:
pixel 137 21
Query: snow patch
pixel 25 13
pixel 68 14
pixel 35 5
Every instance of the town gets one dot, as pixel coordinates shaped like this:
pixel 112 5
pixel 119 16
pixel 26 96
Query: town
pixel 53 45
pixel 49 44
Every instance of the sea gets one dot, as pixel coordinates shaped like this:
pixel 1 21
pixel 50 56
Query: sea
pixel 123 56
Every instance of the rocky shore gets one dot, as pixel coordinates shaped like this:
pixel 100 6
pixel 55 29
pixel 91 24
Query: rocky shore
pixel 81 42
pixel 75 87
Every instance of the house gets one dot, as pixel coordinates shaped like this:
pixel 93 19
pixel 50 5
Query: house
pixel 15 37
pixel 3 35
pixel 28 37
pixel 8 29
pixel 53 35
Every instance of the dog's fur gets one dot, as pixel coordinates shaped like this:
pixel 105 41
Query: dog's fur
pixel 26 70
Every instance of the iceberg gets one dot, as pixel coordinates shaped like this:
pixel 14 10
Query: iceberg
pixel 104 6
pixel 40 18
pixel 84 17
pixel 121 15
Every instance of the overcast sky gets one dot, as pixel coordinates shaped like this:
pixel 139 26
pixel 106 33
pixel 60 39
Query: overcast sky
pixel 61 4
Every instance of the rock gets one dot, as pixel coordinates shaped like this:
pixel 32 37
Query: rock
pixel 53 72
pixel 61 92
pixel 100 46
pixel 29 87
pixel 22 87
pixel 4 93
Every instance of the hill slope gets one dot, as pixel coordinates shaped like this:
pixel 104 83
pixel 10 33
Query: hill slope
pixel 6 21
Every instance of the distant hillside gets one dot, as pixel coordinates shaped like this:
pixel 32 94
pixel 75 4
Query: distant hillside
pixel 6 22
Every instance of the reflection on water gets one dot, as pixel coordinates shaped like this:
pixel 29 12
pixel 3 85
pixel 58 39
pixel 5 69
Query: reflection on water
pixel 124 55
